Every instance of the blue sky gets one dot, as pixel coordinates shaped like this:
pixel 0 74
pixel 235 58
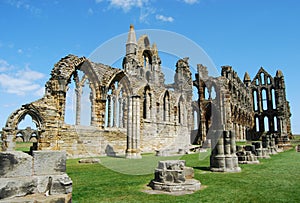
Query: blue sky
pixel 245 34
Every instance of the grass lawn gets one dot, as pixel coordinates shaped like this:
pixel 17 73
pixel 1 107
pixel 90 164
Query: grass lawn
pixel 273 180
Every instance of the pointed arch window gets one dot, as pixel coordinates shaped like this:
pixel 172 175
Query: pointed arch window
pixel 255 101
pixel 166 106
pixel 181 111
pixel 266 124
pixel 257 124
pixel 262 78
pixel 264 99
pixel 275 124
pixel 273 98
pixel 147 103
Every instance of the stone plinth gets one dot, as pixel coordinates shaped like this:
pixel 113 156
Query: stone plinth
pixel 260 151
pixel 268 141
pixel 223 156
pixel 173 176
pixel 245 156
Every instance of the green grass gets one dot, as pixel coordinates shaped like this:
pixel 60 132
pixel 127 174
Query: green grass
pixel 273 180
pixel 23 146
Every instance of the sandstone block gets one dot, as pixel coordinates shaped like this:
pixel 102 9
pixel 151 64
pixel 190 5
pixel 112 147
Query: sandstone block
pixel 61 184
pixel 16 187
pixel 15 164
pixel 49 162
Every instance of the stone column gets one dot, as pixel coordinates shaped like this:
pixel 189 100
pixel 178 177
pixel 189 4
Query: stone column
pixel 115 99
pixel 217 158
pixel 108 110
pixel 120 113
pixel 78 105
pixel 133 128
pixel 129 126
pixel 223 157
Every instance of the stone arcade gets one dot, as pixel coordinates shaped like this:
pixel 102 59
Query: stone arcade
pixel 132 110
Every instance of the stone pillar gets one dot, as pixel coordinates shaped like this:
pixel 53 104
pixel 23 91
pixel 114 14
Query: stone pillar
pixel 133 128
pixel 115 99
pixel 120 112
pixel 108 110
pixel 223 157
pixel 9 143
pixel 78 105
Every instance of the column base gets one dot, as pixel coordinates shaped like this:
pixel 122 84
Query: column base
pixel 133 154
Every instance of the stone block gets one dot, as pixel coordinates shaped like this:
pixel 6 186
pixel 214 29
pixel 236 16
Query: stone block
pixel 188 172
pixel 61 184
pixel 41 198
pixel 89 161
pixel 49 162
pixel 15 164
pixel 16 187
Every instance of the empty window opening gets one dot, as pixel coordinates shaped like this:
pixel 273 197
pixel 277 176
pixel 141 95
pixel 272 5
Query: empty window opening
pixel 255 106
pixel 213 93
pixel 206 93
pixel 275 124
pixel 266 124
pixel 85 104
pixel 257 124
pixel 273 99
pixel 264 99
pixel 262 78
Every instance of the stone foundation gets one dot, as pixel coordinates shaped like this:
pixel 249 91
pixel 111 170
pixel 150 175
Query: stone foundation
pixel 173 176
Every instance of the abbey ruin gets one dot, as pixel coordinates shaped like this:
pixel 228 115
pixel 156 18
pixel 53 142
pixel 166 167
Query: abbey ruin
pixel 133 111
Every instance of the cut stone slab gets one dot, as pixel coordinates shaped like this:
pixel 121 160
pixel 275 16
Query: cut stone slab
pixel 16 187
pixel 61 184
pixel 49 162
pixel 41 198
pixel 15 164
pixel 89 161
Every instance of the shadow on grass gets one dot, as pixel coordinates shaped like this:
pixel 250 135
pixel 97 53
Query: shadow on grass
pixel 202 168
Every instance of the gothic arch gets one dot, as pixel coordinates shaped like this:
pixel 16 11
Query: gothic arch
pixel 16 117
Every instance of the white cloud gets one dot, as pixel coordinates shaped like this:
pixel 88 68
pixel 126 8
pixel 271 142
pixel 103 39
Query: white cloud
pixel 90 11
pixel 22 82
pixel 190 1
pixel 126 5
pixel 23 4
pixel 20 51
pixel 4 66
pixel 164 18
pixel 145 13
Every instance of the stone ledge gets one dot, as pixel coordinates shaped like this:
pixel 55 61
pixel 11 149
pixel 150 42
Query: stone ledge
pixel 41 198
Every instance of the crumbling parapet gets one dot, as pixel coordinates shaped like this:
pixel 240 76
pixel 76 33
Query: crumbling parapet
pixel 173 176
pixel 223 156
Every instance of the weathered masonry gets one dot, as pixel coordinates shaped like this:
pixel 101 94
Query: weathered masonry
pixel 131 110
